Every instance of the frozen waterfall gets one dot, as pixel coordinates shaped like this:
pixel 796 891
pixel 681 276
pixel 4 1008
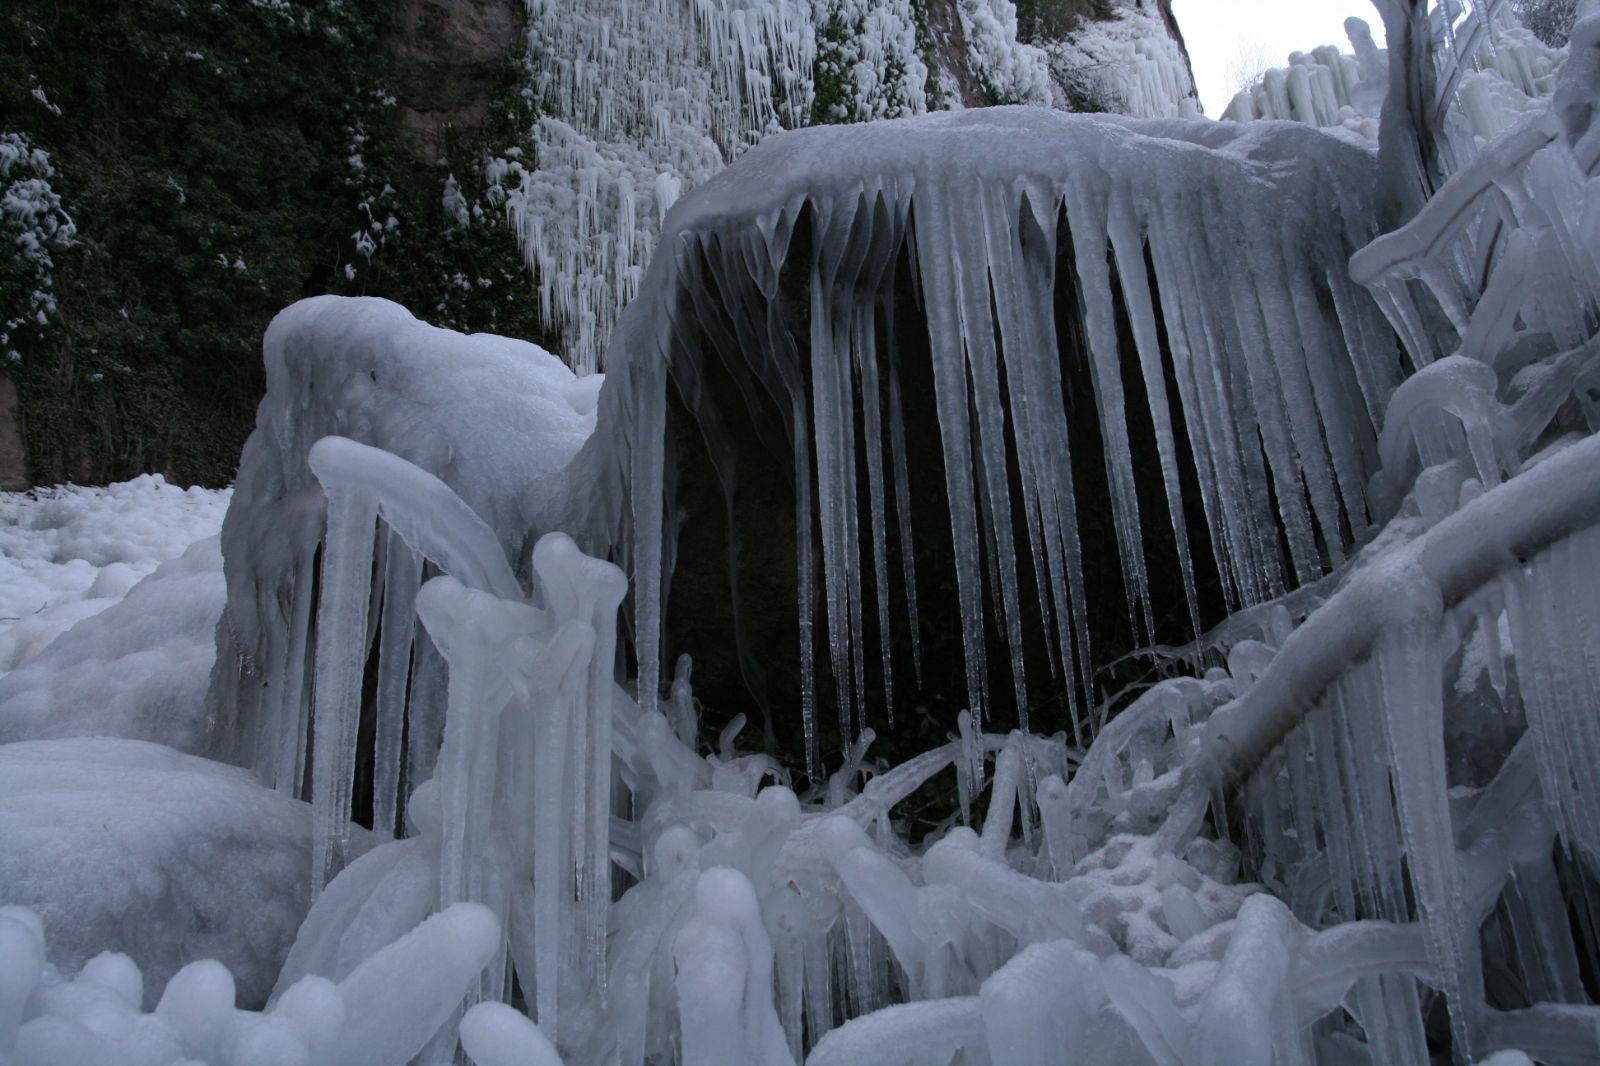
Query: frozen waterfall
pixel 1227 246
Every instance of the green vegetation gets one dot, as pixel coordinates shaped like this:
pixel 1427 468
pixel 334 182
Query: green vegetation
pixel 219 160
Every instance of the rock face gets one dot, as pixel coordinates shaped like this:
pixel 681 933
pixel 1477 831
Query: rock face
pixel 13 459
pixel 447 57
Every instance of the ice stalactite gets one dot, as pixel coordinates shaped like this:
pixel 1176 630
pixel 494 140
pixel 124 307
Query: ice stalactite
pixel 340 659
pixel 524 774
pixel 1157 211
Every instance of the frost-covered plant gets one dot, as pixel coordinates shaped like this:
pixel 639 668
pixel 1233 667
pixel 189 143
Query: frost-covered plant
pixel 34 227
pixel 1550 20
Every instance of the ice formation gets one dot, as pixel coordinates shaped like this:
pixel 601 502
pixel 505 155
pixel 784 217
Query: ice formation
pixel 1131 64
pixel 489 421
pixel 970 204
pixel 642 106
pixel 1363 830
pixel 381 1014
pixel 1490 71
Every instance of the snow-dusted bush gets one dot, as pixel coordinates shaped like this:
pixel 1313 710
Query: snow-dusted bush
pixel 34 228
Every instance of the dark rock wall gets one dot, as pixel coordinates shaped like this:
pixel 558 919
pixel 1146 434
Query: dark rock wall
pixel 447 57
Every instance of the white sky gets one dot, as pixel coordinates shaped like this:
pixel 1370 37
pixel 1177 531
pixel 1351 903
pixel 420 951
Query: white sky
pixel 1224 35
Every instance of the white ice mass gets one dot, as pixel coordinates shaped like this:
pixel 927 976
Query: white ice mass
pixel 1357 822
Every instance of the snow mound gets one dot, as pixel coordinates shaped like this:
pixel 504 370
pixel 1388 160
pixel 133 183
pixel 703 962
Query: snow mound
pixel 137 670
pixel 128 846
pixel 69 552
pixel 495 420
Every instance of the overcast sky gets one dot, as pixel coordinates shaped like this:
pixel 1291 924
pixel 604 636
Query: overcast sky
pixel 1226 35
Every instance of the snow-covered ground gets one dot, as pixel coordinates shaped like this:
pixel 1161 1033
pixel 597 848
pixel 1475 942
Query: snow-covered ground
pixel 71 551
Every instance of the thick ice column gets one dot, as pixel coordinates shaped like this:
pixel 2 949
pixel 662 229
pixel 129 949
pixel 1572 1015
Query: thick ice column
pixel 402 577
pixel 1408 666
pixel 341 660
pixel 724 959
pixel 1038 1006
pixel 1247 1012
pixel 588 591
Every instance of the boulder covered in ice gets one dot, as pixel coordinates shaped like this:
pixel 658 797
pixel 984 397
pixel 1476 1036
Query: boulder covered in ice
pixel 496 420
pixel 137 669
pixel 850 334
pixel 131 847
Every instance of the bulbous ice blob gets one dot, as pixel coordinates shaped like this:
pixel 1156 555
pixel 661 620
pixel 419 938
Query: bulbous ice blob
pixel 494 1034
pixel 423 812
pixel 264 1040
pixel 315 1005
pixel 114 970
pixel 674 851
pixel 198 1003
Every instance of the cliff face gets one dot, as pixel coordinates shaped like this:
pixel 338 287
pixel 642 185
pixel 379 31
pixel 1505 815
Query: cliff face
pixel 447 58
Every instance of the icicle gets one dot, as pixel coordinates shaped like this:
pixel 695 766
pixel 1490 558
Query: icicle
pixel 402 579
pixel 341 659
pixel 939 270
pixel 1134 281
pixel 902 513
pixel 1408 668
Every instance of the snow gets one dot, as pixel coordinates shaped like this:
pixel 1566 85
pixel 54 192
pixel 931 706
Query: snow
pixel 138 668
pixel 68 552
pixel 33 221
pixel 132 846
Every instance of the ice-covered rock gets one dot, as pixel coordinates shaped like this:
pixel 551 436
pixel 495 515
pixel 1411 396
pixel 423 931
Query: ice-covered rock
pixel 129 846
pixel 493 419
pixel 963 214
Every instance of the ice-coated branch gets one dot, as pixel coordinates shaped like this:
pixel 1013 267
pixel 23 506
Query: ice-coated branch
pixel 1499 530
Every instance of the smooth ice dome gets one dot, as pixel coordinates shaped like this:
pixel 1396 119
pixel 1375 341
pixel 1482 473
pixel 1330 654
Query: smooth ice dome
pixel 130 846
